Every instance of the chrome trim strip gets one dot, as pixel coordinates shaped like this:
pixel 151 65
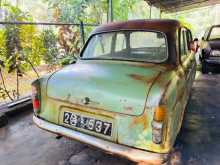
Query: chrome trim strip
pixel 133 154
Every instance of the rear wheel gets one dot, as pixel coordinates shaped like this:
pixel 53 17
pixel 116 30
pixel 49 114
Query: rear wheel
pixel 3 120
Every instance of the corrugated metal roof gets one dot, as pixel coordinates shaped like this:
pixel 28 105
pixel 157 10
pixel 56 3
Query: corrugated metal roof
pixel 180 5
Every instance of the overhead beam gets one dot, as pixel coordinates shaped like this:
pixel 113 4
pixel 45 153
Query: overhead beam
pixel 43 23
pixel 170 6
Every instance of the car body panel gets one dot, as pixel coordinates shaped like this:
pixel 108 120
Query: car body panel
pixel 125 93
pixel 107 88
pixel 215 45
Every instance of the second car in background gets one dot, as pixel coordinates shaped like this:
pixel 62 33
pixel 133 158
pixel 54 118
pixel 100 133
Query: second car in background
pixel 210 50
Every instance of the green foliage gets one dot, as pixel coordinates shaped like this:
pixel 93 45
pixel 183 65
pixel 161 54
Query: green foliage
pixel 13 47
pixel 23 43
pixel 90 11
pixel 121 8
pixel 36 50
pixel 68 59
pixel 69 44
pixel 71 10
pixel 3 50
pixel 87 11
pixel 50 41
pixel 59 50
pixel 97 11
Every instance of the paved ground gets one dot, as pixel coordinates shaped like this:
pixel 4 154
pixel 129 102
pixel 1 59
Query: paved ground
pixel 199 139
pixel 22 143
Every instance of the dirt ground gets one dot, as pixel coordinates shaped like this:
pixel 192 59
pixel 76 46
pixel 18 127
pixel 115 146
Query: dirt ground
pixel 22 143
pixel 24 82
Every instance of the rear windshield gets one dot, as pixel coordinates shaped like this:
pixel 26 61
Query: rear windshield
pixel 215 33
pixel 127 45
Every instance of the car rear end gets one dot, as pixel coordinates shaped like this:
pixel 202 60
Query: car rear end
pixel 212 63
pixel 101 100
pixel 211 51
pixel 139 137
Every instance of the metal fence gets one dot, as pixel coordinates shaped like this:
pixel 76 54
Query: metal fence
pixel 31 49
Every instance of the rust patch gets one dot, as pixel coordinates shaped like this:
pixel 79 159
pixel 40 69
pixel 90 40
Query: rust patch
pixel 142 120
pixel 163 98
pixel 128 109
pixel 163 66
pixel 144 65
pixel 141 78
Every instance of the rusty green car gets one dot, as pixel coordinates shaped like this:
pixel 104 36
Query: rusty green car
pixel 126 93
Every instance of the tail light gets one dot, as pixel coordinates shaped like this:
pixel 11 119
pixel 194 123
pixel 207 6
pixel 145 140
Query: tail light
pixel 36 98
pixel 157 124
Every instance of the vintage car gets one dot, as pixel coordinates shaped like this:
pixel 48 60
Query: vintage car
pixel 210 50
pixel 126 93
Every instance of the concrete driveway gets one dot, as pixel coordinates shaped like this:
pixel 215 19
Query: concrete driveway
pixel 22 143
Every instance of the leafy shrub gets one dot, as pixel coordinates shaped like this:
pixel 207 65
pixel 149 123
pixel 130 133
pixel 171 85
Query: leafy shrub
pixel 50 42
pixel 3 50
pixel 22 43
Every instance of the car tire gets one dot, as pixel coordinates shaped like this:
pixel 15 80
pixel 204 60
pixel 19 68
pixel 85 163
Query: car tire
pixel 3 120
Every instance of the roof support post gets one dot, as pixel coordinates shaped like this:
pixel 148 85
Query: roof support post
pixel 160 13
pixel 82 33
pixel 150 11
pixel 110 11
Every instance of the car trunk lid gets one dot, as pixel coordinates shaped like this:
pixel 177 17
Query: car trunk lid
pixel 120 87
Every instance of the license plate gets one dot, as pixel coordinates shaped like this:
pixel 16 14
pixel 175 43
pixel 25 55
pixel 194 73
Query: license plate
pixel 87 123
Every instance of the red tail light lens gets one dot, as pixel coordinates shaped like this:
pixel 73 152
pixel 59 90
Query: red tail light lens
pixel 36 104
pixel 35 99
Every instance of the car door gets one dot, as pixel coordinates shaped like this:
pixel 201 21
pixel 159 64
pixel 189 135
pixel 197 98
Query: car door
pixel 187 60
pixel 184 76
pixel 191 60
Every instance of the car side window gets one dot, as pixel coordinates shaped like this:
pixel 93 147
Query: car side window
pixel 184 42
pixel 120 42
pixel 206 34
pixel 104 44
pixel 101 45
pixel 189 38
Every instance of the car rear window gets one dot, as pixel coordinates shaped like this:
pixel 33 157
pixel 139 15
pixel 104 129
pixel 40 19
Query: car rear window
pixel 127 45
pixel 215 33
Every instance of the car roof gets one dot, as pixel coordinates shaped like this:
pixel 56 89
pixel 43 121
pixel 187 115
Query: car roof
pixel 161 25
pixel 215 26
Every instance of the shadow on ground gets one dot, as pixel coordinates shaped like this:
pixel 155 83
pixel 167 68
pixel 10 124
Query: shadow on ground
pixel 22 143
